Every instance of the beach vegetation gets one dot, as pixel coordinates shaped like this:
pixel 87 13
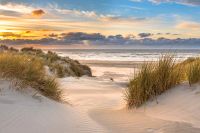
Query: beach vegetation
pixel 60 66
pixel 27 68
pixel 193 73
pixel 152 80
pixel 28 71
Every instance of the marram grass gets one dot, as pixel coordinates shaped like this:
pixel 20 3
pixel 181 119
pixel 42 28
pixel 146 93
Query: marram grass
pixel 26 70
pixel 60 66
pixel 152 80
pixel 193 73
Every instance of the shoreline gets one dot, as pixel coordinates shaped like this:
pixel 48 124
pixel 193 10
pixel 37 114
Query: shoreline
pixel 125 64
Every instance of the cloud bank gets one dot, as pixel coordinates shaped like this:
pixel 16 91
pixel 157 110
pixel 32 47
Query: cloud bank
pixel 98 39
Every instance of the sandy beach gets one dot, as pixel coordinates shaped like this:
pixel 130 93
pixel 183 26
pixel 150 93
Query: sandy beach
pixel 120 71
pixel 99 66
pixel 96 104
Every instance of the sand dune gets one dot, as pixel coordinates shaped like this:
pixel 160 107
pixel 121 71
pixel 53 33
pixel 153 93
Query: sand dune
pixel 180 104
pixel 176 112
pixel 97 105
pixel 22 113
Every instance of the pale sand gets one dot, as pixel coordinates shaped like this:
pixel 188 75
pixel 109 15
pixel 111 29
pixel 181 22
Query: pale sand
pixel 176 112
pixel 97 104
pixel 21 112
pixel 119 71
pixel 117 74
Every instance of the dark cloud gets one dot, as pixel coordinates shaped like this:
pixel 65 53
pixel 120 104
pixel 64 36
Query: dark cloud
pixel 80 36
pixel 53 35
pixel 73 38
pixel 143 35
pixel 99 39
pixel 38 12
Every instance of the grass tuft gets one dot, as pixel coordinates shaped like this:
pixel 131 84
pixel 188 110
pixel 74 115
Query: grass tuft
pixel 50 88
pixel 58 69
pixel 153 79
pixel 193 73
pixel 27 70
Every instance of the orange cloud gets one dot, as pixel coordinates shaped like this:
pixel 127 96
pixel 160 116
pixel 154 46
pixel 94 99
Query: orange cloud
pixel 38 13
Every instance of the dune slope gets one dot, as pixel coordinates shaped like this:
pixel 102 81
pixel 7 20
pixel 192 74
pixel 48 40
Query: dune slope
pixel 175 111
pixel 97 105
pixel 24 112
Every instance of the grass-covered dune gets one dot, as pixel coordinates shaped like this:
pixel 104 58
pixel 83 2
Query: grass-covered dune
pixel 61 66
pixel 154 79
pixel 27 68
pixel 28 71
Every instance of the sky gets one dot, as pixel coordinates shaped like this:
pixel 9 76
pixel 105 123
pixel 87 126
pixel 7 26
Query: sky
pixel 99 21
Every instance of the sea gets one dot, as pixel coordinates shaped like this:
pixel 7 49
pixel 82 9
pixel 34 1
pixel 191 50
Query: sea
pixel 126 54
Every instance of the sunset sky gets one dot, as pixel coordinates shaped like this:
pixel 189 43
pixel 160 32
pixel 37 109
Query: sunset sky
pixel 97 19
